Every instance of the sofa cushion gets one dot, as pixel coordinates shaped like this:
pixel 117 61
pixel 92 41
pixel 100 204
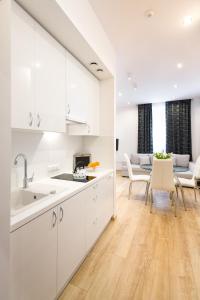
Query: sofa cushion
pixel 174 159
pixel 151 158
pixel 182 160
pixel 135 159
pixel 144 160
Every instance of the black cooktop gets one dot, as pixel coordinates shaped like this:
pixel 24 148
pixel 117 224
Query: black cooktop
pixel 69 177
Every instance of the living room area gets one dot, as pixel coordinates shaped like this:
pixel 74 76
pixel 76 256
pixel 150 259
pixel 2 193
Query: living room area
pixel 171 127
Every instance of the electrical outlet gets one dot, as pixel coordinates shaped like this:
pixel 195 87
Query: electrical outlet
pixel 53 168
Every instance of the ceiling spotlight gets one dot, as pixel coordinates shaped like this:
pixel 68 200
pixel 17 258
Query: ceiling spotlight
pixel 129 77
pixel 187 20
pixel 93 63
pixel 120 94
pixel 175 86
pixel 99 70
pixel 179 65
pixel 129 103
pixel 149 13
pixel 135 86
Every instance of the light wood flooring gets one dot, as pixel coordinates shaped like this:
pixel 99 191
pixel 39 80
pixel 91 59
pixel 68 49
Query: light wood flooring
pixel 143 256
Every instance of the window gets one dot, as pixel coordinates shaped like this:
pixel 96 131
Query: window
pixel 159 127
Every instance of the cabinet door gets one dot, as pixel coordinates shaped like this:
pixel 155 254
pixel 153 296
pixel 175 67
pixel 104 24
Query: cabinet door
pixel 76 104
pixel 33 259
pixel 93 107
pixel 71 238
pixel 22 72
pixel 91 208
pixel 92 92
pixel 106 201
pixel 50 82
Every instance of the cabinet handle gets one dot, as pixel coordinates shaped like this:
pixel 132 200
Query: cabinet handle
pixel 69 109
pixel 54 218
pixel 39 120
pixel 88 128
pixel 61 214
pixel 30 119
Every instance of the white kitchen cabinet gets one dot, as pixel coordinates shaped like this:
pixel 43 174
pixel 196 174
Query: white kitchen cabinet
pixel 99 208
pixel 22 75
pixel 38 76
pixel 77 101
pixel 50 87
pixel 82 99
pixel 47 251
pixel 33 259
pixel 91 216
pixel 71 237
pixel 105 192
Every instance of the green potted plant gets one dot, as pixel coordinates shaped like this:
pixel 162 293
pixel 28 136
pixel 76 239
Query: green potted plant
pixel 162 155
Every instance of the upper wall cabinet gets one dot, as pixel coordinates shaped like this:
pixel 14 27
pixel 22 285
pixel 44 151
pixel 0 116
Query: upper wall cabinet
pixel 50 86
pixel 38 76
pixel 22 56
pixel 76 97
pixel 82 99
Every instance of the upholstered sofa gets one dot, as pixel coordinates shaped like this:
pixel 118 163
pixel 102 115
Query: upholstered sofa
pixel 139 160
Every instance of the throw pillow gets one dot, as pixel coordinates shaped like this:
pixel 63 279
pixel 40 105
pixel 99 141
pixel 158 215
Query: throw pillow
pixel 182 160
pixel 151 158
pixel 135 159
pixel 144 160
pixel 174 159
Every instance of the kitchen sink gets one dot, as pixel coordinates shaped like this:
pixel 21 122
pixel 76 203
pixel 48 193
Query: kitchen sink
pixel 22 198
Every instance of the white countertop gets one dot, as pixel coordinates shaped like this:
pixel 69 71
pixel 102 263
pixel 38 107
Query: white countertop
pixel 66 189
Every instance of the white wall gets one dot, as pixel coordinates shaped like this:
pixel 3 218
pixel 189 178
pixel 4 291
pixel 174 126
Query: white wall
pixel 85 20
pixel 5 147
pixel 42 150
pixel 195 113
pixel 126 131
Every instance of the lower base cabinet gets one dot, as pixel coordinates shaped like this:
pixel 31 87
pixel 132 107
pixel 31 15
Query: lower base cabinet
pixel 71 238
pixel 46 252
pixel 33 259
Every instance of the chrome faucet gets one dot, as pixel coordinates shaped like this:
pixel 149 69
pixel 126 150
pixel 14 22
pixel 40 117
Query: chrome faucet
pixel 26 180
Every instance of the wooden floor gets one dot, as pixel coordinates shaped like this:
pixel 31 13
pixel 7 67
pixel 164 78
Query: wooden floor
pixel 143 256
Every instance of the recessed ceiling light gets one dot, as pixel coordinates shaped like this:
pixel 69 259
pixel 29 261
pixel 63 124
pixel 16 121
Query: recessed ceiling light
pixel 179 65
pixel 175 86
pixel 99 70
pixel 120 94
pixel 37 64
pixel 129 77
pixel 93 63
pixel 187 20
pixel 135 86
pixel 129 103
pixel 149 13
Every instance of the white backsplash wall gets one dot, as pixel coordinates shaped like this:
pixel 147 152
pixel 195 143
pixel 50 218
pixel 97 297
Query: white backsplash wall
pixel 42 150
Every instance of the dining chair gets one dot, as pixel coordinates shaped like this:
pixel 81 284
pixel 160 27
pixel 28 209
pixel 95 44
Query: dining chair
pixel 193 182
pixel 162 179
pixel 136 178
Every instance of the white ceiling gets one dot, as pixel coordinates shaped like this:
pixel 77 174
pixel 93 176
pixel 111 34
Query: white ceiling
pixel 150 48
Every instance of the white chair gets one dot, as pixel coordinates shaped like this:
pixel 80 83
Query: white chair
pixel 162 179
pixel 193 182
pixel 136 178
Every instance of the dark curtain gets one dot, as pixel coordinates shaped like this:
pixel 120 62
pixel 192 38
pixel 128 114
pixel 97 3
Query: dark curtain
pixel 145 138
pixel 178 127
